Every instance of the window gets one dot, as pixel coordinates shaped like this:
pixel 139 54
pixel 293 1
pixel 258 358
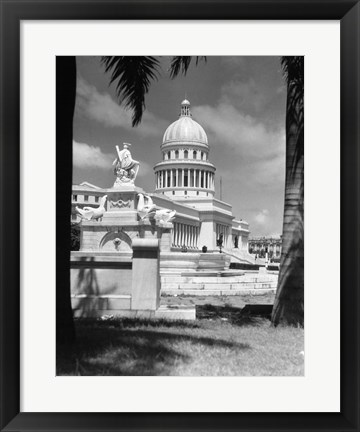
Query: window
pixel 186 154
pixel 96 199
pixel 168 155
pixel 74 197
pixel 176 154
pixel 173 192
pixel 194 154
pixel 202 155
pixel 86 198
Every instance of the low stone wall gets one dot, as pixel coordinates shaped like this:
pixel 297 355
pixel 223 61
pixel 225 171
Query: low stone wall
pixel 126 284
pixel 178 262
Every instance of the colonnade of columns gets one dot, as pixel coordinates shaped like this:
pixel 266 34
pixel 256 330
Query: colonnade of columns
pixel 184 234
pixel 185 177
pixel 273 248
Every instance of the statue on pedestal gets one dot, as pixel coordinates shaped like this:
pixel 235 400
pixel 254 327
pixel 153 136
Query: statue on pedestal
pixel 125 167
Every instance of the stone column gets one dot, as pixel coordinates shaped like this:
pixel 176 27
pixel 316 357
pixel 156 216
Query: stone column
pixel 171 178
pixel 177 177
pixel 145 292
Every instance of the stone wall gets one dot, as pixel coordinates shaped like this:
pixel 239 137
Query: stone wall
pixel 125 284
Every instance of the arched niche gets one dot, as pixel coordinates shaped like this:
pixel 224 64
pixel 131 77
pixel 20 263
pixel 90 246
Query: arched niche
pixel 116 242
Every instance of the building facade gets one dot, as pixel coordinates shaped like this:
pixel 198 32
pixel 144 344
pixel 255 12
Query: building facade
pixel 261 245
pixel 185 182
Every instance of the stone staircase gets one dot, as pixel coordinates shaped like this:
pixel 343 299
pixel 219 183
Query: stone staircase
pixel 218 283
pixel 237 255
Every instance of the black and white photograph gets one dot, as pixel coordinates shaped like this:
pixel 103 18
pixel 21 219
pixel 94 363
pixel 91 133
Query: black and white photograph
pixel 186 255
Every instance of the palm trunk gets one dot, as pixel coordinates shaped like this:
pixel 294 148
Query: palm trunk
pixel 289 301
pixel 65 103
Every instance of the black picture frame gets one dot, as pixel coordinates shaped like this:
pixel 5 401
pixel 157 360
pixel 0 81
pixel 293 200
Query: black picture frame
pixel 12 12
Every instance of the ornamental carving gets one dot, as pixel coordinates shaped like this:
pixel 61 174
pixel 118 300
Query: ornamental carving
pixel 120 203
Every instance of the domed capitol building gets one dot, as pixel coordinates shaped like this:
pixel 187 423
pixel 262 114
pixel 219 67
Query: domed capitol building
pixel 184 183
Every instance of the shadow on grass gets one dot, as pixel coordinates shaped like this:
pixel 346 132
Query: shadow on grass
pixel 246 316
pixel 132 347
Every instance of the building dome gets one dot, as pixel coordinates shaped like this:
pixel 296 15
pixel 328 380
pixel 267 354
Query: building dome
pixel 185 170
pixel 185 129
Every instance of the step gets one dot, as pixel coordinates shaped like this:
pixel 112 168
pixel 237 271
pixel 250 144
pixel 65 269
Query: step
pixel 228 292
pixel 216 287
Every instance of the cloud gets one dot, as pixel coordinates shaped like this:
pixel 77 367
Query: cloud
pixel 88 156
pixel 258 148
pixel 262 217
pixel 102 108
pixel 246 94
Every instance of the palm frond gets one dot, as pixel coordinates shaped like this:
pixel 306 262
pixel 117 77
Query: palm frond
pixel 180 64
pixel 132 76
pixel 293 69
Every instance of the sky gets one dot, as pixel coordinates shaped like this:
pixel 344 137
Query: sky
pixel 239 101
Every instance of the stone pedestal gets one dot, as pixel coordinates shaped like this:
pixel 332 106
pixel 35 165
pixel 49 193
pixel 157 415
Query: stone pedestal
pixel 117 270
pixel 146 275
pixel 121 224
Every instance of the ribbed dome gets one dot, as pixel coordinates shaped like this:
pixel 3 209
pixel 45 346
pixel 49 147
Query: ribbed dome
pixel 185 129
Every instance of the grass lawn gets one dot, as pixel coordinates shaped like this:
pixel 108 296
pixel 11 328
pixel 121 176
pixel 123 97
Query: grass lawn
pixel 222 341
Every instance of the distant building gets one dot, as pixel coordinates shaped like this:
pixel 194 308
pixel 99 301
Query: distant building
pixel 260 245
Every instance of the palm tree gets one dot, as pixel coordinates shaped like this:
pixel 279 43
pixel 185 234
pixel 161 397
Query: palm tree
pixel 133 76
pixel 65 104
pixel 289 301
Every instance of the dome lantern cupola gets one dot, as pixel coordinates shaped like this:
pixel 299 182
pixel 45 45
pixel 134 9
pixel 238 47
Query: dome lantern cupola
pixel 185 109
